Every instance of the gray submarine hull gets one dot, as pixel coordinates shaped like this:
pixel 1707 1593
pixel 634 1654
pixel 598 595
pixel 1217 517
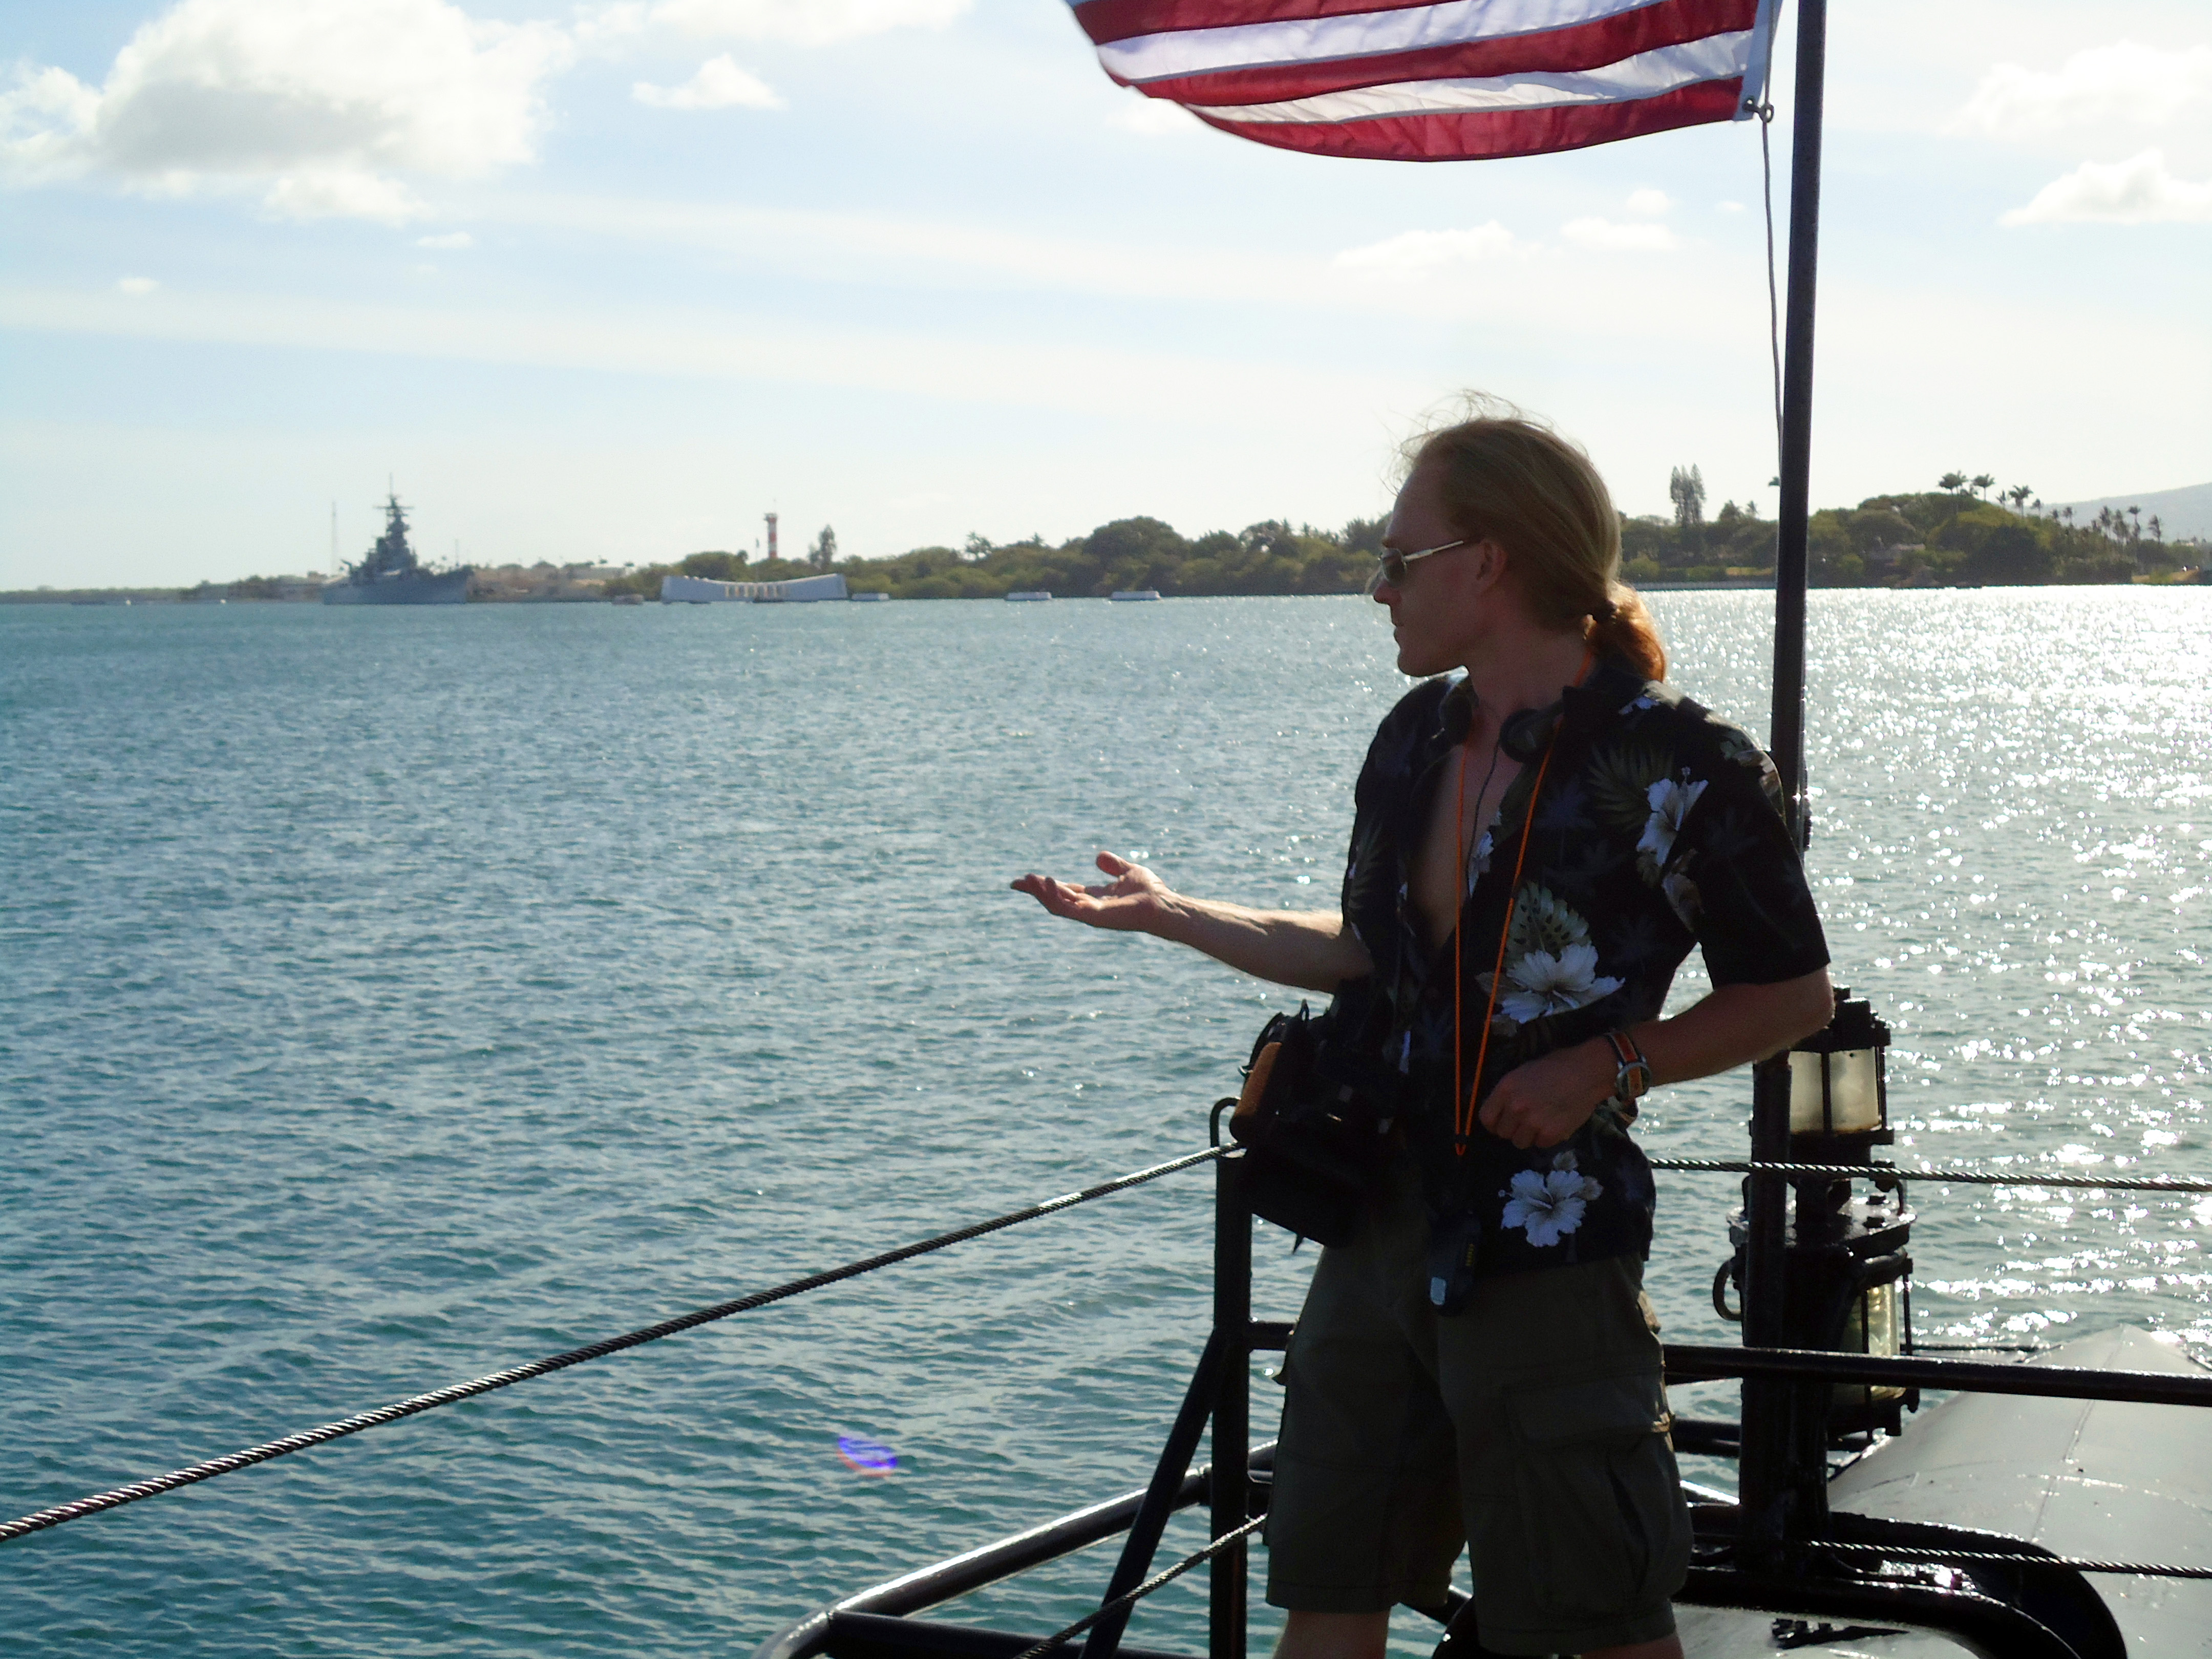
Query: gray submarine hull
pixel 2096 1480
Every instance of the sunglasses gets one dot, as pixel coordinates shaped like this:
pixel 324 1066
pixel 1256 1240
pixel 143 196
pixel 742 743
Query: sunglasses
pixel 1391 571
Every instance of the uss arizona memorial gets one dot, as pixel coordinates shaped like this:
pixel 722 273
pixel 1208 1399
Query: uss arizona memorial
pixel 803 590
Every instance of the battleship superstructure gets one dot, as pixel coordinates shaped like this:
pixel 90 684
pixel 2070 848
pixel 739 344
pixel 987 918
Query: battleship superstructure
pixel 391 575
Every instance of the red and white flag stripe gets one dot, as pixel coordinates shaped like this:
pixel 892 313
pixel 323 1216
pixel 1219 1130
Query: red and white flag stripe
pixel 1452 80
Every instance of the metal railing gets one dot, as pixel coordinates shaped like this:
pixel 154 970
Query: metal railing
pixel 2001 1597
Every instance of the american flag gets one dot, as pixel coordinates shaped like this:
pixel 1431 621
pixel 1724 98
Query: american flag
pixel 1439 80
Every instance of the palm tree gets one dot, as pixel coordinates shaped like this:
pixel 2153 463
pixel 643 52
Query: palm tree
pixel 1982 481
pixel 2138 513
pixel 2018 496
pixel 2157 530
pixel 1951 483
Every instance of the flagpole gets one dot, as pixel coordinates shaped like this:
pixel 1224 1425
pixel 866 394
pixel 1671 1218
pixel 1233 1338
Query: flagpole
pixel 1787 732
pixel 1781 1457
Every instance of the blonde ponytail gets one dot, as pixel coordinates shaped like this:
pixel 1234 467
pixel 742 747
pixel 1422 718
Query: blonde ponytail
pixel 1623 628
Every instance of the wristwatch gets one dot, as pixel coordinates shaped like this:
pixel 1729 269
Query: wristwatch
pixel 1632 1078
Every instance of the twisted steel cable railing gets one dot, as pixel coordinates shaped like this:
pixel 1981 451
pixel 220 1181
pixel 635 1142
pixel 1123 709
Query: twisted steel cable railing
pixel 414 1405
pixel 1956 1177
pixel 115 1498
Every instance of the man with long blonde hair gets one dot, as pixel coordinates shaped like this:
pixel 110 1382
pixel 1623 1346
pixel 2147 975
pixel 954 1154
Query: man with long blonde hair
pixel 1536 845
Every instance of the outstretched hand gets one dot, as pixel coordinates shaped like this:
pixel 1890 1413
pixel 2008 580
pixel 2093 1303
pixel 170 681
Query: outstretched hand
pixel 1133 901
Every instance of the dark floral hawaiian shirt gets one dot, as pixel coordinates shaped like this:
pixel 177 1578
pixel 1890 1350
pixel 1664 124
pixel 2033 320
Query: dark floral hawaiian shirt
pixel 1659 827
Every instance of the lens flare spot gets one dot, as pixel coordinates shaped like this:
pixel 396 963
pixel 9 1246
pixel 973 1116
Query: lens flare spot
pixel 868 1456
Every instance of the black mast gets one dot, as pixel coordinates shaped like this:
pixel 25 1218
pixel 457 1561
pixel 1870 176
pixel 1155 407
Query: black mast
pixel 1780 1493
pixel 1787 731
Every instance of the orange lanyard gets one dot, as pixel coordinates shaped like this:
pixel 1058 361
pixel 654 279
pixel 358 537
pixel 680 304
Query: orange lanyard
pixel 1463 1096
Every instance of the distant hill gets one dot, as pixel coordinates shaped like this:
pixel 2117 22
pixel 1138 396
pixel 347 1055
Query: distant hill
pixel 2183 513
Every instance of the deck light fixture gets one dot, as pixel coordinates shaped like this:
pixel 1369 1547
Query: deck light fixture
pixel 1847 1278
pixel 1858 1291
pixel 1839 1087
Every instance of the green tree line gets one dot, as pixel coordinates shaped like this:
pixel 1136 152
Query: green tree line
pixel 1967 532
pixel 1950 535
pixel 1269 557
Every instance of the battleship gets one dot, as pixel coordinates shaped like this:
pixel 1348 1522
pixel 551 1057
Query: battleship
pixel 391 575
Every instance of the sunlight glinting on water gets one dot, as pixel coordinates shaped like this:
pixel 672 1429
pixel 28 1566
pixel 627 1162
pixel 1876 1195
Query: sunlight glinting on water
pixel 400 996
pixel 2013 846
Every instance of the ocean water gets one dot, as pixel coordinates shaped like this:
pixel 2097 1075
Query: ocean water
pixel 388 996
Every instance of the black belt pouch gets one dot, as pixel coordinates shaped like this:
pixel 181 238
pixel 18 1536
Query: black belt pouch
pixel 1313 1129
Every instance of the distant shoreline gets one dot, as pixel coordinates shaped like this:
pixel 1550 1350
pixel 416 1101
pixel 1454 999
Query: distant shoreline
pixel 120 597
pixel 1957 536
pixel 189 599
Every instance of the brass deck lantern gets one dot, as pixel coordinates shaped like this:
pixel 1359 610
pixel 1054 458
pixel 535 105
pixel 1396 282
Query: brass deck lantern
pixel 1854 1273
pixel 1846 1274
pixel 1839 1087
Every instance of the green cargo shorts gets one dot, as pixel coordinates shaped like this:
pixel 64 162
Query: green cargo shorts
pixel 1533 1428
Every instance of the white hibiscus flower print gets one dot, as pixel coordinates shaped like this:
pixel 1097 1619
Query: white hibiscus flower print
pixel 1670 804
pixel 1545 983
pixel 1478 863
pixel 1549 1206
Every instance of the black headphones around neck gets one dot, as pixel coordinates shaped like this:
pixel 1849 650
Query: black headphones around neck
pixel 1524 734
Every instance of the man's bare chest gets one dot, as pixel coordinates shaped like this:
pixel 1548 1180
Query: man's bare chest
pixel 1462 811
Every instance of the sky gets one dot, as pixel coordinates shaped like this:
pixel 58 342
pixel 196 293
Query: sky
pixel 608 282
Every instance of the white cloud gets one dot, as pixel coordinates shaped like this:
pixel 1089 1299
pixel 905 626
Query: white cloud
pixel 39 117
pixel 1426 274
pixel 1649 202
pixel 1603 236
pixel 321 102
pixel 1427 252
pixel 1155 117
pixel 136 285
pixel 1728 207
pixel 2136 192
pixel 800 22
pixel 720 84
pixel 2106 86
pixel 452 238
pixel 994 368
pixel 341 109
pixel 601 25
pixel 342 193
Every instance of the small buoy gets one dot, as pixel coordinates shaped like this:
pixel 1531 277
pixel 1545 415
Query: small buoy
pixel 868 1456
